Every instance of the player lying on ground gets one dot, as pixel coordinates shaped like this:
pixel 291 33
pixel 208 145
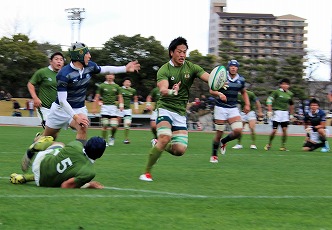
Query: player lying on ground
pixel 57 165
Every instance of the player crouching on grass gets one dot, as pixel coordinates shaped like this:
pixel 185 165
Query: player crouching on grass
pixel 70 166
pixel 314 124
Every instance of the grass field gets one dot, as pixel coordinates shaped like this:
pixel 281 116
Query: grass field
pixel 248 189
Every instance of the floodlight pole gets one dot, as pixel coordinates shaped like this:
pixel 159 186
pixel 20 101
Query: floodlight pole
pixel 75 15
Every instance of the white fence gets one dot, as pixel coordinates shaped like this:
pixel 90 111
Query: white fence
pixel 206 122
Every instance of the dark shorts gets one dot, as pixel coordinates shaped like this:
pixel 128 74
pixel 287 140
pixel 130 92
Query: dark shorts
pixel 275 124
pixel 313 146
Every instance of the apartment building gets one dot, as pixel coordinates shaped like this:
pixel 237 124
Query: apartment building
pixel 256 35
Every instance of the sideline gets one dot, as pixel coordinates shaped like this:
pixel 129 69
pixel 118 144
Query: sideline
pixel 158 194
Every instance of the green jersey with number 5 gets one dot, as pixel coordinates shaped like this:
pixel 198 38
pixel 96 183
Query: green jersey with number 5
pixel 62 164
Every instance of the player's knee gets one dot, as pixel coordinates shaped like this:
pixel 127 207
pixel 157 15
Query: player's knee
pixel 178 153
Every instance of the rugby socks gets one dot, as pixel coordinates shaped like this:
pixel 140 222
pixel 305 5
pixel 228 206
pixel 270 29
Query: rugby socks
pixel 154 131
pixel 29 177
pixel 215 147
pixel 153 157
pixel 228 138
pixel 283 140
pixel 126 133
pixel 104 134
pixel 253 137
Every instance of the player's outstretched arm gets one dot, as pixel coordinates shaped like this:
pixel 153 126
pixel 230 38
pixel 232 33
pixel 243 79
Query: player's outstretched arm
pixel 70 183
pixel 133 66
pixel 94 184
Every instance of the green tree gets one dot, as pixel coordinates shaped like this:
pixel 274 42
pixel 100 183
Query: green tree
pixel 293 69
pixel 149 52
pixel 19 59
pixel 228 51
pixel 207 62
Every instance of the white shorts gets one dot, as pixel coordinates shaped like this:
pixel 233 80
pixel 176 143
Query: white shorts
pixel 126 112
pixel 58 118
pixel 45 112
pixel 246 117
pixel 38 159
pixel 280 116
pixel 224 114
pixel 110 110
pixel 177 120
pixel 154 115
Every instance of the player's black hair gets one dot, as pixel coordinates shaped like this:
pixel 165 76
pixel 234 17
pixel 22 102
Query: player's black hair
pixel 284 80
pixel 176 42
pixel 314 101
pixel 125 79
pixel 55 54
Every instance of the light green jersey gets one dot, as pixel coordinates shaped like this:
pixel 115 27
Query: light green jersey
pixel 185 74
pixel 45 80
pixel 281 99
pixel 127 94
pixel 252 100
pixel 108 92
pixel 61 165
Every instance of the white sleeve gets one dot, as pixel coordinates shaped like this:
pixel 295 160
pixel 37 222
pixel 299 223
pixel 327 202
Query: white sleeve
pixel 112 69
pixel 62 96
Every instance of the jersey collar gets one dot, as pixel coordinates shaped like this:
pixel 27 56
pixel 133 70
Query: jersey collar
pixel 172 64
pixel 233 79
pixel 92 161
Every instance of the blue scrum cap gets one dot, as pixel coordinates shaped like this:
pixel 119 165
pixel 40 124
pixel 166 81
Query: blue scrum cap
pixel 95 147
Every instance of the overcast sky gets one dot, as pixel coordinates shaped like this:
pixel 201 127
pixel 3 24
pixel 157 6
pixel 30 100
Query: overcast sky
pixel 46 21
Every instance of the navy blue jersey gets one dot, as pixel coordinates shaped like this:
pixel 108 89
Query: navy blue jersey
pixel 75 83
pixel 315 119
pixel 235 86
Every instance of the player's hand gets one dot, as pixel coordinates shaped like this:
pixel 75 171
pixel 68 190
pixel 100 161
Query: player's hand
pixel 225 86
pixel 37 102
pixel 133 66
pixel 269 114
pixel 82 119
pixel 176 88
pixel 222 96
pixel 246 109
pixel 96 184
pixel 308 129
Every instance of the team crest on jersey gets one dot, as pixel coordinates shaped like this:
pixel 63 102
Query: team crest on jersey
pixel 172 78
pixel 49 79
pixel 186 75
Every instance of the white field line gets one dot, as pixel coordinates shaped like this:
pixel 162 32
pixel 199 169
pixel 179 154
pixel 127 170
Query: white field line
pixel 157 194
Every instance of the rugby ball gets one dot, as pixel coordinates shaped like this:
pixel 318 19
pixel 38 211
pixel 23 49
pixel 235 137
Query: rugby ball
pixel 217 78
